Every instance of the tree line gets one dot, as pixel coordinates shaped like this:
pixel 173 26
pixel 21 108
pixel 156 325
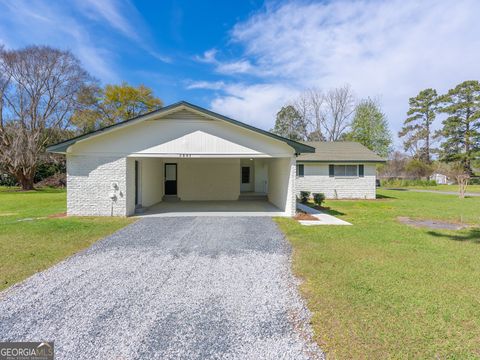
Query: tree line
pixel 335 115
pixel 459 134
pixel 47 96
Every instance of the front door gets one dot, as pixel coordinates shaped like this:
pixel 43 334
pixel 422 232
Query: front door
pixel 170 179
pixel 246 181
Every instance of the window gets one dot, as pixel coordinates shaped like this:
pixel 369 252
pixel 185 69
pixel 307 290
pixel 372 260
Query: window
pixel 345 170
pixel 300 170
pixel 245 174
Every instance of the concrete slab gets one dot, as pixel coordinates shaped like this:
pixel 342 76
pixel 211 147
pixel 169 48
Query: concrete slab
pixel 323 219
pixel 213 208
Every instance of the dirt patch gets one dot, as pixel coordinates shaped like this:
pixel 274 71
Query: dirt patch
pixel 432 224
pixel 304 216
pixel 59 215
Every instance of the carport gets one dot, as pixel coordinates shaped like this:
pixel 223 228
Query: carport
pixel 210 186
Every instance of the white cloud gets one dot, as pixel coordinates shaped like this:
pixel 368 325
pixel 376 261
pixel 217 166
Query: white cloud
pixel 208 57
pixel 390 49
pixel 253 104
pixel 256 104
pixel 124 17
pixel 209 85
pixel 109 11
pixel 235 67
pixel 228 68
pixel 61 30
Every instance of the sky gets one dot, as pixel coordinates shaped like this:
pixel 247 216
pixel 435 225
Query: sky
pixel 246 59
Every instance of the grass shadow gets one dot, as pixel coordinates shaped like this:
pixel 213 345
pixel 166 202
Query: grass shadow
pixel 472 235
pixel 327 210
pixel 385 197
pixel 332 211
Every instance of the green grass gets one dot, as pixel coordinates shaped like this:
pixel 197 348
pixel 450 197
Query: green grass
pixel 470 188
pixel 36 242
pixel 381 289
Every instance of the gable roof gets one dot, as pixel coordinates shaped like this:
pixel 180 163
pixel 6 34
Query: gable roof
pixel 62 147
pixel 339 151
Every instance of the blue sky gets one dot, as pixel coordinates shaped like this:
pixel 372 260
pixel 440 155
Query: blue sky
pixel 246 59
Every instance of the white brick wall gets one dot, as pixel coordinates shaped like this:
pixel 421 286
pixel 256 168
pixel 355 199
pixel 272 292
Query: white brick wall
pixel 281 184
pixel 292 200
pixel 317 180
pixel 89 180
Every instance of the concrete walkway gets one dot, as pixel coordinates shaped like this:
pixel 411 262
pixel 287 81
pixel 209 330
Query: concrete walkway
pixel 323 219
pixel 435 191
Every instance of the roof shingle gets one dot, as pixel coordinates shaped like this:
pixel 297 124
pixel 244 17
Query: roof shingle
pixel 339 151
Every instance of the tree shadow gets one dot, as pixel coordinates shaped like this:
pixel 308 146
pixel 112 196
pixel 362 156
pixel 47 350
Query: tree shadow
pixel 385 197
pixel 472 235
pixel 330 211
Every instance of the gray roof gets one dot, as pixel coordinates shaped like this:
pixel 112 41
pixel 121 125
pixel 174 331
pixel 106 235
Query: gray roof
pixel 62 147
pixel 339 151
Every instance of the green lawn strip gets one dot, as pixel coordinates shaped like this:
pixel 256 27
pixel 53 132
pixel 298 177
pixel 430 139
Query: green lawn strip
pixel 30 241
pixel 470 188
pixel 382 289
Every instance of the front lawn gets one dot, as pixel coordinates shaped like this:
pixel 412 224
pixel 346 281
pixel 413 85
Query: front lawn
pixel 31 241
pixel 382 289
pixel 470 188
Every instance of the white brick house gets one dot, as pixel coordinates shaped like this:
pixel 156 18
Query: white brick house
pixel 185 153
pixel 340 170
pixel 181 151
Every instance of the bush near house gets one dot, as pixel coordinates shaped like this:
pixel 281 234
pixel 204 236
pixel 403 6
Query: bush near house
pixel 304 196
pixel 319 198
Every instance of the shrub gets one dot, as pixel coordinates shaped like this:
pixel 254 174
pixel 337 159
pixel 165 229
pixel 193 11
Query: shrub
pixel 47 169
pixel 474 181
pixel 58 180
pixel 7 180
pixel 408 182
pixel 304 196
pixel 318 199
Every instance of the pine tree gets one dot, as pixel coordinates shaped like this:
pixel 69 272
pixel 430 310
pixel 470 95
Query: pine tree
pixel 417 128
pixel 461 129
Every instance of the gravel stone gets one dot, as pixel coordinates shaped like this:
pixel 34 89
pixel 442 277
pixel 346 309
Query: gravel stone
pixel 168 288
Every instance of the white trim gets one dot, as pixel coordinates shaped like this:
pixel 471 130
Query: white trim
pixel 156 116
pixel 183 156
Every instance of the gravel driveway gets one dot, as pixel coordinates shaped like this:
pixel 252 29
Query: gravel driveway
pixel 168 288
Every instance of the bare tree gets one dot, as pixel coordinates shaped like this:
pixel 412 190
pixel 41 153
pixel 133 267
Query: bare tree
pixel 39 87
pixel 339 107
pixel 317 99
pixel 309 106
pixel 456 170
pixel 395 166
pixel 327 114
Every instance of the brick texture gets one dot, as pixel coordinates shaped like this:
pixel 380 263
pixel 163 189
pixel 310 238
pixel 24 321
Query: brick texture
pixel 89 184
